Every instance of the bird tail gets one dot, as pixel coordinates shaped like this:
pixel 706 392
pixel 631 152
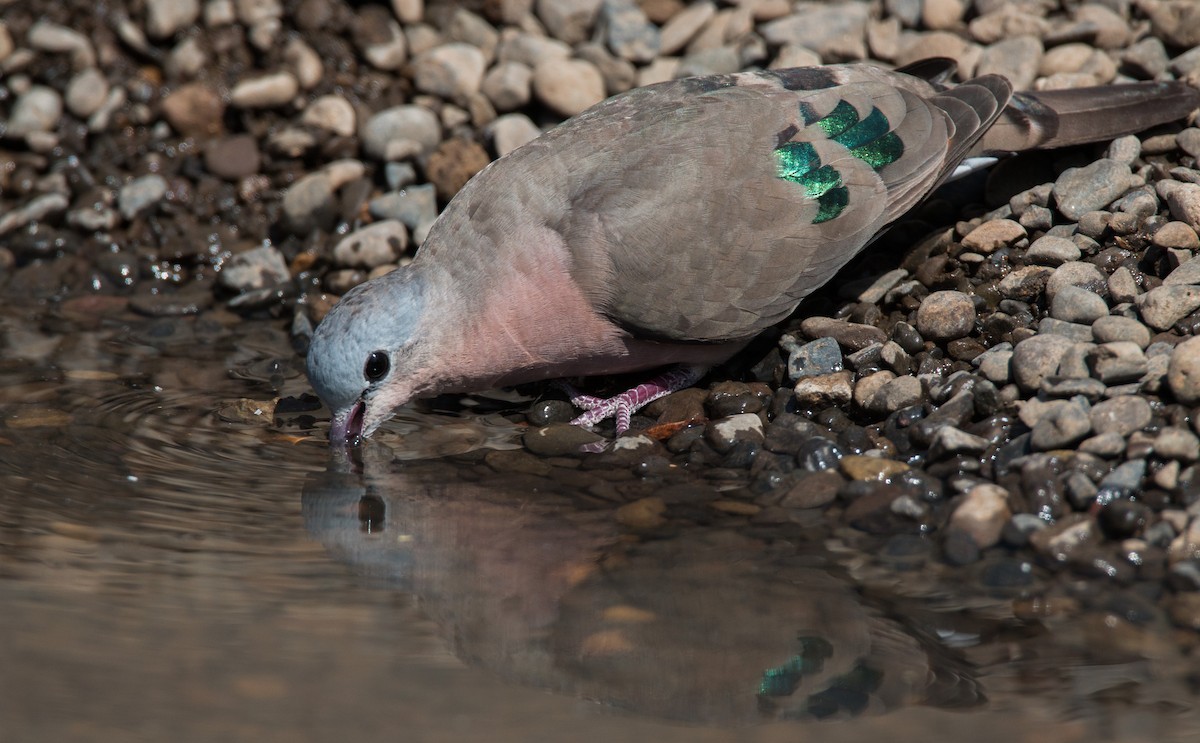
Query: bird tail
pixel 1061 118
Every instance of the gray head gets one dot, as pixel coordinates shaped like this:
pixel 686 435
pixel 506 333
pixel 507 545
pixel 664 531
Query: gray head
pixel 364 353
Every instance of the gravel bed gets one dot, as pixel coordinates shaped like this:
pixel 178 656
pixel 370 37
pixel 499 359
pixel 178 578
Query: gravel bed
pixel 1013 371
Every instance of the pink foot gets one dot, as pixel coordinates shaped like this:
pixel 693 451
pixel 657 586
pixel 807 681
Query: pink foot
pixel 623 406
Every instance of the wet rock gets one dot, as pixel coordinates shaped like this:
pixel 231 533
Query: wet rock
pixel 858 467
pixel 644 514
pixel 1077 305
pixel 817 358
pixel 559 440
pixel 1025 283
pixel 1122 415
pixel 1162 307
pixel 569 87
pixel 1183 372
pixel 982 514
pixel 260 268
pixel 894 394
pixel 851 336
pixel 825 390
pixel 372 246
pixel 946 315
pixel 813 490
pixel 724 434
pixel 819 454
pixel 400 132
pixel 1123 482
pixel 1083 275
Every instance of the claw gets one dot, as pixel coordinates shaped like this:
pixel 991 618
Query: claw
pixel 623 406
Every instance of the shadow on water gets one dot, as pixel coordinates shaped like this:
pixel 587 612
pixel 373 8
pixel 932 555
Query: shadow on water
pixel 168 574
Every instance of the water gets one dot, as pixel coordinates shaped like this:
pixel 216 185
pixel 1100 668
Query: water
pixel 174 566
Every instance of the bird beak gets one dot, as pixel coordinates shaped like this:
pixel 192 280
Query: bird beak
pixel 347 425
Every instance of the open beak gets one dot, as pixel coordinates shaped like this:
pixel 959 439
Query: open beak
pixel 347 425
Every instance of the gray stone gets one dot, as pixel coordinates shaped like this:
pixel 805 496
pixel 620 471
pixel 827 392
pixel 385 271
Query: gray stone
pixel 1117 362
pixel 834 30
pixel 510 131
pixel 1074 331
pixel 995 363
pixel 1094 186
pixel 1163 306
pixel 331 113
pixel 1183 373
pixel 1016 58
pixel 1181 236
pixel 38 109
pixel 1187 273
pixel 86 93
pixel 1112 328
pixel 1126 478
pixel 1076 273
pixel 1122 415
pixel 627 31
pixel 508 85
pixel 309 204
pixel 1052 251
pixel 896 394
pixel 35 210
pixel 141 195
pixel 946 315
pixel 1183 199
pixel 1061 427
pixel 451 71
pixel 165 17
pixel 1025 283
pixel 1036 358
pixel 375 245
pixel 413 206
pixel 51 37
pixel 1077 305
pixel 1122 287
pixel 569 20
pixel 992 235
pixel 826 390
pixel 384 131
pixel 259 268
pixel 1177 443
pixel 569 87
pixel 816 358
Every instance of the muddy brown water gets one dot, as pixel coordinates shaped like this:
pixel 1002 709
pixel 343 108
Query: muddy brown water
pixel 174 569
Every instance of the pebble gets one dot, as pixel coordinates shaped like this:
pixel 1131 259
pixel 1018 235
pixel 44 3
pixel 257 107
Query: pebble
pixel 453 163
pixel 627 31
pixel 510 131
pixel 813 490
pixel 1177 443
pixel 166 17
pixel 569 87
pixel 946 315
pixel 141 195
pixel 1038 357
pixel 331 113
pixel 451 71
pixel 1177 235
pixel 1060 427
pixel 1052 251
pixel 816 358
pixel 1094 186
pixel 1118 362
pixel 726 433
pixel 643 514
pixel 832 31
pixel 400 132
pixel 309 204
pixel 86 93
pixel 982 514
pixel 1077 305
pixel 508 85
pixel 35 210
pixel 569 20
pixel 1025 283
pixel 259 268
pixel 1163 306
pixel 1122 286
pixel 194 110
pixel 560 439
pixel 375 245
pixel 267 91
pixel 1111 328
pixel 1076 273
pixel 1183 200
pixel 1121 415
pixel 993 235
pixel 872 469
pixel 304 63
pixel 895 394
pixel 38 109
pixel 825 390
pixel 414 206
pixel 233 158
pixel 1183 373
pixel 684 25
pixel 51 37
pixel 851 336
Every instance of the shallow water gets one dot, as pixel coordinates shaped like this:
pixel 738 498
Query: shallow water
pixel 174 565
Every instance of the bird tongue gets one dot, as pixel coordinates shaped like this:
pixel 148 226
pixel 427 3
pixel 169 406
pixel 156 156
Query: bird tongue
pixel 347 429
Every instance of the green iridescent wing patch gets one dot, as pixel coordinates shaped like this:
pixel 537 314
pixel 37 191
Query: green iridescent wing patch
pixel 869 139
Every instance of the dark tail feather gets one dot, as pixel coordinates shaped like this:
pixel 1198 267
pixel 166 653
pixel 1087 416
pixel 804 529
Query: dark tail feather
pixel 1061 118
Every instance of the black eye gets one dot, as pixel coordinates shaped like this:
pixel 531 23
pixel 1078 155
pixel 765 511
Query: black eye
pixel 377 366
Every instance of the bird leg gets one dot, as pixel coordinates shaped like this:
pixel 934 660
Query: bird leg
pixel 623 406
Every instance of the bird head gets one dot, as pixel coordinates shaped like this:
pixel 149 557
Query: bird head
pixel 364 354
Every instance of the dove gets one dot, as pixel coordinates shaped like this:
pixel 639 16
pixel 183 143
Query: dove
pixel 666 227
